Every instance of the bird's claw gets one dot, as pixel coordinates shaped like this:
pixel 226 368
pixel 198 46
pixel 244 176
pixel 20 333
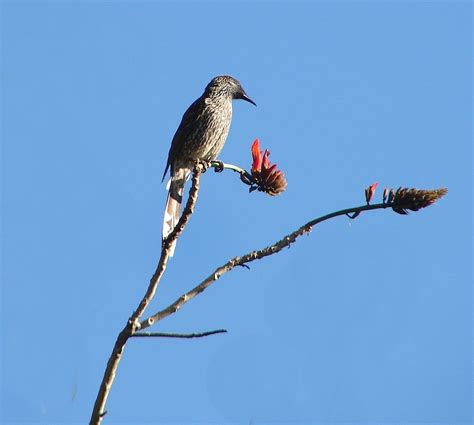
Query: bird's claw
pixel 202 165
pixel 219 168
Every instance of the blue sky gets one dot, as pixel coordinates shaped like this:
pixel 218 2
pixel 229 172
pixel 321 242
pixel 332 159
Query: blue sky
pixel 366 321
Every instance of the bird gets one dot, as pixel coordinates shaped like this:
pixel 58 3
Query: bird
pixel 201 135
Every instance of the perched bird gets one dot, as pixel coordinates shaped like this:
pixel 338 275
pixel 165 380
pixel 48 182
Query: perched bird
pixel 200 136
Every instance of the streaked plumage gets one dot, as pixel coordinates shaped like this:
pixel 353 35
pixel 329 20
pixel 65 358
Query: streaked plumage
pixel 201 135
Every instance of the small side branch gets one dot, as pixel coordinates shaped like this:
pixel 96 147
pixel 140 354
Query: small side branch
pixel 178 335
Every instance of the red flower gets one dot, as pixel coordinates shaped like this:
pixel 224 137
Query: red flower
pixel 267 177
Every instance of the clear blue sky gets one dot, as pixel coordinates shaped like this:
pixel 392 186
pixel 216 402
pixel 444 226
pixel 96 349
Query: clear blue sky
pixel 365 322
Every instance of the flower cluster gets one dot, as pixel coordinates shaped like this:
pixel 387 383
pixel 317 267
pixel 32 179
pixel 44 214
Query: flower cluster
pixel 404 199
pixel 266 176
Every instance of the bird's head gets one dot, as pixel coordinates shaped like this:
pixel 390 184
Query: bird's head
pixel 225 85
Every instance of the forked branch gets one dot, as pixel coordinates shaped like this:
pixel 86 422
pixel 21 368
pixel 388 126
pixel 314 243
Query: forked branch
pixel 263 177
pixel 133 323
pixel 399 201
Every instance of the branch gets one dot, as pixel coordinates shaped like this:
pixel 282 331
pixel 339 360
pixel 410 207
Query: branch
pixel 402 200
pixel 175 234
pixel 133 323
pixel 177 335
pixel 220 166
pixel 245 176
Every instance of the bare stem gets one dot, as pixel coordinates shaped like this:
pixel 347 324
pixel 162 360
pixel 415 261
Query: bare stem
pixel 400 201
pixel 251 256
pixel 133 323
pixel 218 165
pixel 178 335
pixel 245 176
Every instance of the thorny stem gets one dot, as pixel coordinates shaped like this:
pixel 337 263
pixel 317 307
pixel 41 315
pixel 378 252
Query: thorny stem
pixel 133 323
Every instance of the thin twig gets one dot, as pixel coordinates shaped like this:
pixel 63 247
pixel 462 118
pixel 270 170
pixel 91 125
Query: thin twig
pixel 133 324
pixel 249 257
pixel 218 165
pixel 177 335
pixel 245 176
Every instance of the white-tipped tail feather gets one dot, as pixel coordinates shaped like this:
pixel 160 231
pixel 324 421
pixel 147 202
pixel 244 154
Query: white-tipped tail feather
pixel 175 188
pixel 170 219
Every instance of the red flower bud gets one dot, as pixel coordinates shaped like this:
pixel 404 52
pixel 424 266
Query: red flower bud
pixel 369 192
pixel 385 195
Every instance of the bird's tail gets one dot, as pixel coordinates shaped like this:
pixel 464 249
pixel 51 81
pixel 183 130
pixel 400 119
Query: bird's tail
pixel 173 203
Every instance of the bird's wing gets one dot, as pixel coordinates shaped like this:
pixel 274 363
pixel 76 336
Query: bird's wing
pixel 185 129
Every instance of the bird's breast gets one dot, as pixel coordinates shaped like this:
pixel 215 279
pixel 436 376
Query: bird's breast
pixel 211 131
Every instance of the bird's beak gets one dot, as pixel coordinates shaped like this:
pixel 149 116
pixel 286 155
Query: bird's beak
pixel 245 97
